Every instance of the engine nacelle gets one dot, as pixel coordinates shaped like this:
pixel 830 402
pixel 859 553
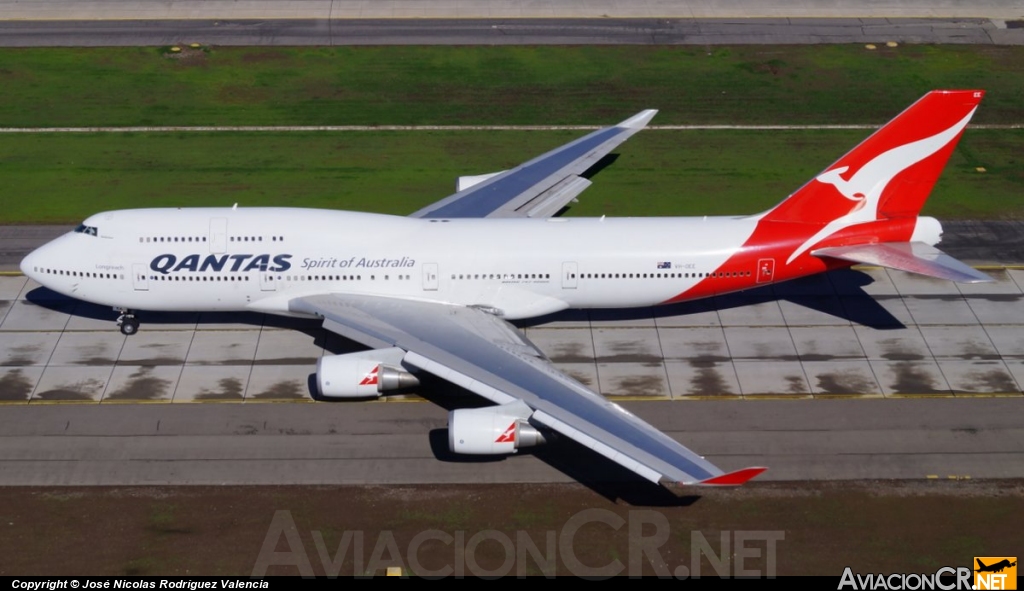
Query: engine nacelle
pixel 492 430
pixel 363 375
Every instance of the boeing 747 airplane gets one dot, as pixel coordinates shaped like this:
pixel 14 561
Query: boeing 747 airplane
pixel 433 292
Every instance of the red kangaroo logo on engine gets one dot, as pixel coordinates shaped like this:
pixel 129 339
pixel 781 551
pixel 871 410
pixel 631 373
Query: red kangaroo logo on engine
pixel 509 436
pixel 371 378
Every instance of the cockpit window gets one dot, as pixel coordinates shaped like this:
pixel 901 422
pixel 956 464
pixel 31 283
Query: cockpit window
pixel 83 229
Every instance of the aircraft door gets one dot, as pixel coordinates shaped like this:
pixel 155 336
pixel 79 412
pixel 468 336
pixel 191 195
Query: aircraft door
pixel 268 281
pixel 140 279
pixel 570 271
pixel 765 270
pixel 429 276
pixel 218 235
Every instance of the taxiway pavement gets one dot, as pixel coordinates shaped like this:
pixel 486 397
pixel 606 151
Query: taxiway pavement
pixel 43 23
pixel 851 375
pixel 474 9
pixel 237 30
pixel 394 443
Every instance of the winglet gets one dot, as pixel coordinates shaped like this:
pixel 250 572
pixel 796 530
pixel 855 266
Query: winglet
pixel 638 121
pixel 732 478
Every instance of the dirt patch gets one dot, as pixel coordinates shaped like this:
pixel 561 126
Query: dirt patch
pixel 187 56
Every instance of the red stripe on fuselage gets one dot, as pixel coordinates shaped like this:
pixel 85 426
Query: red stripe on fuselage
pixel 777 240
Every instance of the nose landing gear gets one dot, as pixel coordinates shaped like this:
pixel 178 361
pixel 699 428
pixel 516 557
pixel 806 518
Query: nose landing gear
pixel 127 321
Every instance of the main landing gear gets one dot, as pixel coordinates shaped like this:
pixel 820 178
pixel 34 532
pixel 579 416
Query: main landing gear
pixel 127 321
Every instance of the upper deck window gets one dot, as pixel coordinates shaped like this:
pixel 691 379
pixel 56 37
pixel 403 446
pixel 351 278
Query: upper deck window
pixel 83 229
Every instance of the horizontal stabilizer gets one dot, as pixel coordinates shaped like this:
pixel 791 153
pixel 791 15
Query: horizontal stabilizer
pixel 913 257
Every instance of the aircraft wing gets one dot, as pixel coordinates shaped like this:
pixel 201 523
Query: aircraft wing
pixel 484 354
pixel 538 188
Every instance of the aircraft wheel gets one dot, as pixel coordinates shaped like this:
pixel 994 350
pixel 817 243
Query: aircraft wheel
pixel 129 326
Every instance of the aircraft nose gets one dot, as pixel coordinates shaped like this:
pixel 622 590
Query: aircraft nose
pixel 30 265
pixel 42 257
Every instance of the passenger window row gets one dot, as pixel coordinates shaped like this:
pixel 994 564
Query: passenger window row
pixel 199 277
pixel 240 277
pixel 88 274
pixel 718 275
pixel 145 239
pixel 254 239
pixel 500 276
pixel 172 239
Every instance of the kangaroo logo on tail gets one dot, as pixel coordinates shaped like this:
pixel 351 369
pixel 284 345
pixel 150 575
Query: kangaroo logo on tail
pixel 866 185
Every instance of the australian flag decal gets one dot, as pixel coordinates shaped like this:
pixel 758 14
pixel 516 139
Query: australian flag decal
pixel 665 265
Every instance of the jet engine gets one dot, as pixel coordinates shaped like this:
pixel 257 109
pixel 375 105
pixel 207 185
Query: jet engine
pixel 363 375
pixel 492 430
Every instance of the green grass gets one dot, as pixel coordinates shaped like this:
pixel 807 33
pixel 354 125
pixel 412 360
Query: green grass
pixel 63 178
pixel 510 85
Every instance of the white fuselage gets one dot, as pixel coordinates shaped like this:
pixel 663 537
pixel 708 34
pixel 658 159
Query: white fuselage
pixel 260 258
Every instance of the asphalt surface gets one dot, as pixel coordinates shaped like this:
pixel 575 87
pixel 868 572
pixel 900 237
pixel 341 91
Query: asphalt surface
pixel 491 31
pixel 928 373
pixel 395 443
pixel 474 9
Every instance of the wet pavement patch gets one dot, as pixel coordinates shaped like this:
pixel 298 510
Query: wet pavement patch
pixel 284 390
pixel 707 360
pixel 15 386
pixel 995 297
pixel 996 380
pixel 21 356
pixel 796 384
pixel 63 394
pixel 913 378
pixel 141 386
pixel 629 358
pixel 845 382
pixel 152 362
pixel 96 361
pixel 640 386
pixel 707 381
pixel 580 377
pixel 287 361
pixel 570 353
pixel 230 389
